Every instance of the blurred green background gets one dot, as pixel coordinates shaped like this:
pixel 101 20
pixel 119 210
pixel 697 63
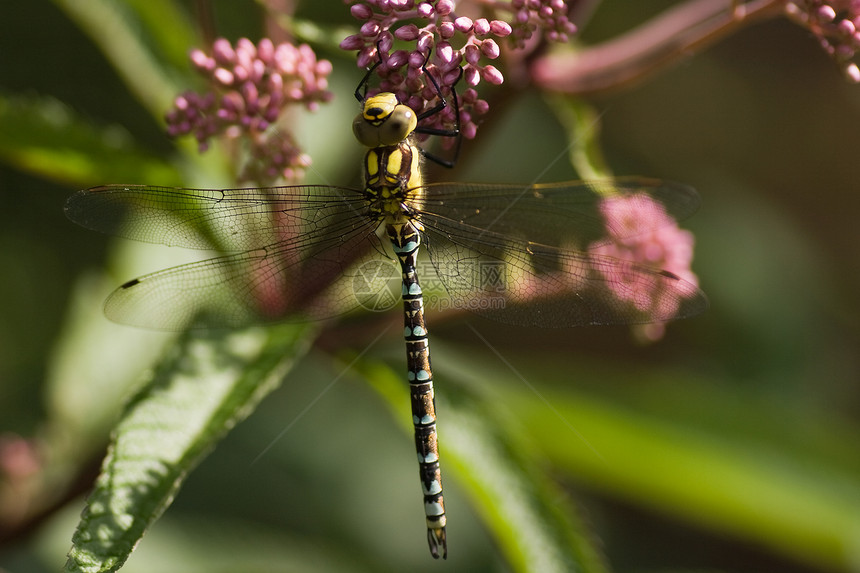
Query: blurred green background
pixel 731 445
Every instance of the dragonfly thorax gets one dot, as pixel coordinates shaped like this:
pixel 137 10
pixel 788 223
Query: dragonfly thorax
pixel 392 180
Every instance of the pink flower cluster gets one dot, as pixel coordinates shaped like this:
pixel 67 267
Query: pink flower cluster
pixel 452 42
pixel 551 16
pixel 836 24
pixel 641 231
pixel 251 88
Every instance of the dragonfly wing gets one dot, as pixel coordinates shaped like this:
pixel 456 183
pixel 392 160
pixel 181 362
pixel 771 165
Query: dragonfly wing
pixel 296 279
pixel 224 219
pixel 583 213
pixel 517 281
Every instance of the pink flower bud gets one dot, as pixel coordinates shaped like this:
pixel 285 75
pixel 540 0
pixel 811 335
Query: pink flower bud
pixel 370 29
pixel 323 68
pixel 451 76
pixel 397 60
pixel 223 76
pixel 416 60
pixel 354 42
pixel 415 102
pixel 500 28
pixel 360 11
pixel 241 73
pixel 250 94
pixel 482 27
pixel 202 61
pixel 445 52
pixel 232 102
pixel 223 51
pixel 425 42
pixel 258 70
pixel 471 76
pixel 386 41
pixel 492 75
pixel 469 130
pixel 463 24
pixel 490 49
pixel 444 7
pixel 407 33
pixel 271 114
pixel 366 57
pixel 246 48
pixel 472 53
pixel 266 50
pixel 826 13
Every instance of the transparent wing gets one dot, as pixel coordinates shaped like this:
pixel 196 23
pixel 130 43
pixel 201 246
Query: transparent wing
pixel 253 287
pixel 529 255
pixel 296 242
pixel 519 254
pixel 572 209
pixel 226 219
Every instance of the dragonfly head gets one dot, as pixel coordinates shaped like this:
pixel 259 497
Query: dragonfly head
pixel 384 121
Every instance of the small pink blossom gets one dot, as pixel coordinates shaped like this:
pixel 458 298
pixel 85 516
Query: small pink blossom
pixel 550 16
pixel 452 40
pixel 251 88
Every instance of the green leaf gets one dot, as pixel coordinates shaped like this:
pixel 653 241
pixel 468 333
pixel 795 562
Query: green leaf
pixel 582 126
pixel 519 505
pixel 45 137
pixel 129 35
pixel 200 391
pixel 167 29
pixel 148 43
pixel 804 504
pixel 677 445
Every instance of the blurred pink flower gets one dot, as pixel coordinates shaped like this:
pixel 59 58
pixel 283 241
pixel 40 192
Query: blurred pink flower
pixel 642 232
pixel 251 88
pixel 835 23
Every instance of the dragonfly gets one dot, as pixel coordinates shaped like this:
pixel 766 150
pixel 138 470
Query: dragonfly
pixel 519 254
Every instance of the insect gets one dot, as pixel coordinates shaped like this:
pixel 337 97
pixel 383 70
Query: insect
pixel 521 254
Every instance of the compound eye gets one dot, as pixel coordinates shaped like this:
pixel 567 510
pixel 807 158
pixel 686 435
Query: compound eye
pixel 400 123
pixel 365 133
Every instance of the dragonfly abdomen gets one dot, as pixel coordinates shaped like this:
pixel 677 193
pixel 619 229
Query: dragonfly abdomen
pixel 406 239
pixel 394 189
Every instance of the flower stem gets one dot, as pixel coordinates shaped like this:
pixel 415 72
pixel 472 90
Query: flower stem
pixel 678 32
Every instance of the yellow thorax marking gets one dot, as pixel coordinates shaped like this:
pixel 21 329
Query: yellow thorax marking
pixel 394 165
pixel 372 166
